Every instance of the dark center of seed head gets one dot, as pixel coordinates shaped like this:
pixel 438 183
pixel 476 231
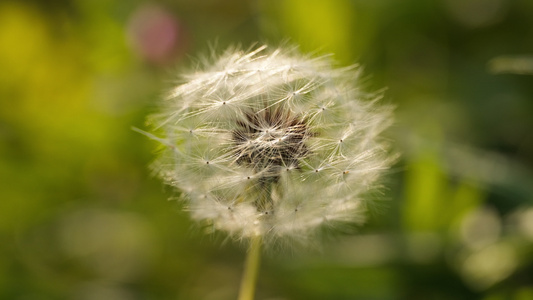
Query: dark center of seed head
pixel 269 139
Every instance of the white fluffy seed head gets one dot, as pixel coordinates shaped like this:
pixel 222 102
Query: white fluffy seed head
pixel 272 143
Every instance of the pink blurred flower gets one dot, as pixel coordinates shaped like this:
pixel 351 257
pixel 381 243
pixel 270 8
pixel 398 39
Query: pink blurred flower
pixel 156 35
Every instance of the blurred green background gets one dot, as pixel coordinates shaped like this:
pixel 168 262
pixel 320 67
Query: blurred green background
pixel 81 217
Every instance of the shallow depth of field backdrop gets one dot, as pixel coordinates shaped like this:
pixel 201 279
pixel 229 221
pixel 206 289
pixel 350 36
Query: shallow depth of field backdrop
pixel 82 218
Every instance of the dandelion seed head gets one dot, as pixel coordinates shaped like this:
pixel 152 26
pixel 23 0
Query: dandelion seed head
pixel 272 143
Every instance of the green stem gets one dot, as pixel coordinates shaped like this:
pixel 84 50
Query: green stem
pixel 251 268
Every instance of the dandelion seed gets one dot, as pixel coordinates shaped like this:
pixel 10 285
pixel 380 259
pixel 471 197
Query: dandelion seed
pixel 272 144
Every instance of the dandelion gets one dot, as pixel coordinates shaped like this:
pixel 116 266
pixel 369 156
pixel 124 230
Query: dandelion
pixel 272 145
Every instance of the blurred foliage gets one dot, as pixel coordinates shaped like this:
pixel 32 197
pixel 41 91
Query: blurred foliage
pixel 81 217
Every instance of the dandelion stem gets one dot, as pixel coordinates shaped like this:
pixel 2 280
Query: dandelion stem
pixel 251 268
